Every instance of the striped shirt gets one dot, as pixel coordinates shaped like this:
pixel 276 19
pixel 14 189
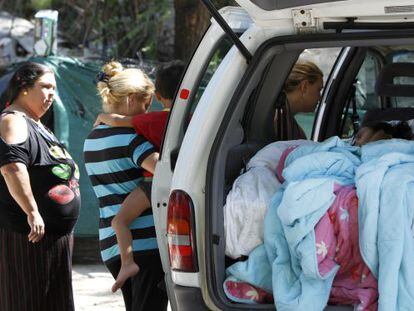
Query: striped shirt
pixel 113 157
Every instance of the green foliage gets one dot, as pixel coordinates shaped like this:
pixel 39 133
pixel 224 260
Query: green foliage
pixel 41 4
pixel 115 28
pixel 137 31
pixel 222 3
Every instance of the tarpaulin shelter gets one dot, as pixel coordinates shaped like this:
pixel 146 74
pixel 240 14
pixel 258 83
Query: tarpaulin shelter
pixel 71 118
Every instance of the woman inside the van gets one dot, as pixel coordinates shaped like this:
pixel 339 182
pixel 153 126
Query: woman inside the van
pixel 301 93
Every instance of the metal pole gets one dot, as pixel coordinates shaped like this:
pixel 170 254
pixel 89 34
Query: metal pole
pixel 223 24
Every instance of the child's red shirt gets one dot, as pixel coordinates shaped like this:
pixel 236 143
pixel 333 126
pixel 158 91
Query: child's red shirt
pixel 151 125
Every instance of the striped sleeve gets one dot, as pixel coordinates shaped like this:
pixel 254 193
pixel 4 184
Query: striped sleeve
pixel 139 150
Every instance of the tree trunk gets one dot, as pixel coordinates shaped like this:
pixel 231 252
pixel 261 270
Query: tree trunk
pixel 191 21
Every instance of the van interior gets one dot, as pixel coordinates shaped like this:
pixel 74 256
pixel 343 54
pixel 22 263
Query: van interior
pixel 364 80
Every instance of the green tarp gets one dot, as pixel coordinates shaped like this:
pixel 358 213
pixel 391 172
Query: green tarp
pixel 74 111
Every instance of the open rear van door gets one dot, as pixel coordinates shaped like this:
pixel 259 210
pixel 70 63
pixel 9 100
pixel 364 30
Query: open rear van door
pixel 207 57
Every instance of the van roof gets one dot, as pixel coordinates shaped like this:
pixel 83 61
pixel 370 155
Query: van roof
pixel 382 10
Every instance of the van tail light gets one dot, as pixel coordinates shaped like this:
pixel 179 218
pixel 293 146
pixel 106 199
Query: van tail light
pixel 181 232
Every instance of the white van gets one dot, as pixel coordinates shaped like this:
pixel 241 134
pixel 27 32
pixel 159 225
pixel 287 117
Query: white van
pixel 224 108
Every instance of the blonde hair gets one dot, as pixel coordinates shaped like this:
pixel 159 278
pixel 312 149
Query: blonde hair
pixel 302 70
pixel 118 83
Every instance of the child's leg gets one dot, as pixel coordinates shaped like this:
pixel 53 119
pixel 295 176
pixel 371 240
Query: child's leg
pixel 133 206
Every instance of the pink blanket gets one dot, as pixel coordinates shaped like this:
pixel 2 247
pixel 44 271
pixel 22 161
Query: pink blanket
pixel 337 243
pixel 239 291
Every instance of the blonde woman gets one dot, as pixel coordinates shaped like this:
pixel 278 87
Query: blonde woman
pixel 301 93
pixel 115 160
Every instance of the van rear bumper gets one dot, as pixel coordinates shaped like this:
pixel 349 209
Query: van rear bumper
pixel 187 298
pixel 183 298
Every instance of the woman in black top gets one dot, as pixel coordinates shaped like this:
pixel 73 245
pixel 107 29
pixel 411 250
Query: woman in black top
pixel 39 199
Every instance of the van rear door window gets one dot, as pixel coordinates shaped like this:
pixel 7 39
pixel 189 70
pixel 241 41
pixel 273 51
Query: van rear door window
pixel 217 56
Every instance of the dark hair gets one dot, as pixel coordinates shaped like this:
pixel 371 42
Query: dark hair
pixel 25 77
pixel 397 130
pixel 167 78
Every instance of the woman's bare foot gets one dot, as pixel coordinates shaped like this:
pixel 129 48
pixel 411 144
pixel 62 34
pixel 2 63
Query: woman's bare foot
pixel 124 274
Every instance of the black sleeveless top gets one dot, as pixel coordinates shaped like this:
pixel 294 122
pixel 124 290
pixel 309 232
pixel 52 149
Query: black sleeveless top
pixel 53 177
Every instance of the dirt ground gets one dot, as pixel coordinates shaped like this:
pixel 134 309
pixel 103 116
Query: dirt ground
pixel 92 289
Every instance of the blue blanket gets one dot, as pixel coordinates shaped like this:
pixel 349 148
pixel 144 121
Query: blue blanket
pixel 287 263
pixel 385 187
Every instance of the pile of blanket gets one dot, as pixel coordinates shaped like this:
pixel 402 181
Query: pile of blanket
pixel 249 199
pixel 338 230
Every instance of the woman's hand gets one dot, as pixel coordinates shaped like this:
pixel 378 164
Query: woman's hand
pixel 37 227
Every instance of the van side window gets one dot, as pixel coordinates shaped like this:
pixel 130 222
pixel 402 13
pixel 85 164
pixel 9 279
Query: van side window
pixel 402 57
pixel 363 94
pixel 217 56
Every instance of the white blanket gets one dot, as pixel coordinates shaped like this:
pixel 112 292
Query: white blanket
pixel 249 199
